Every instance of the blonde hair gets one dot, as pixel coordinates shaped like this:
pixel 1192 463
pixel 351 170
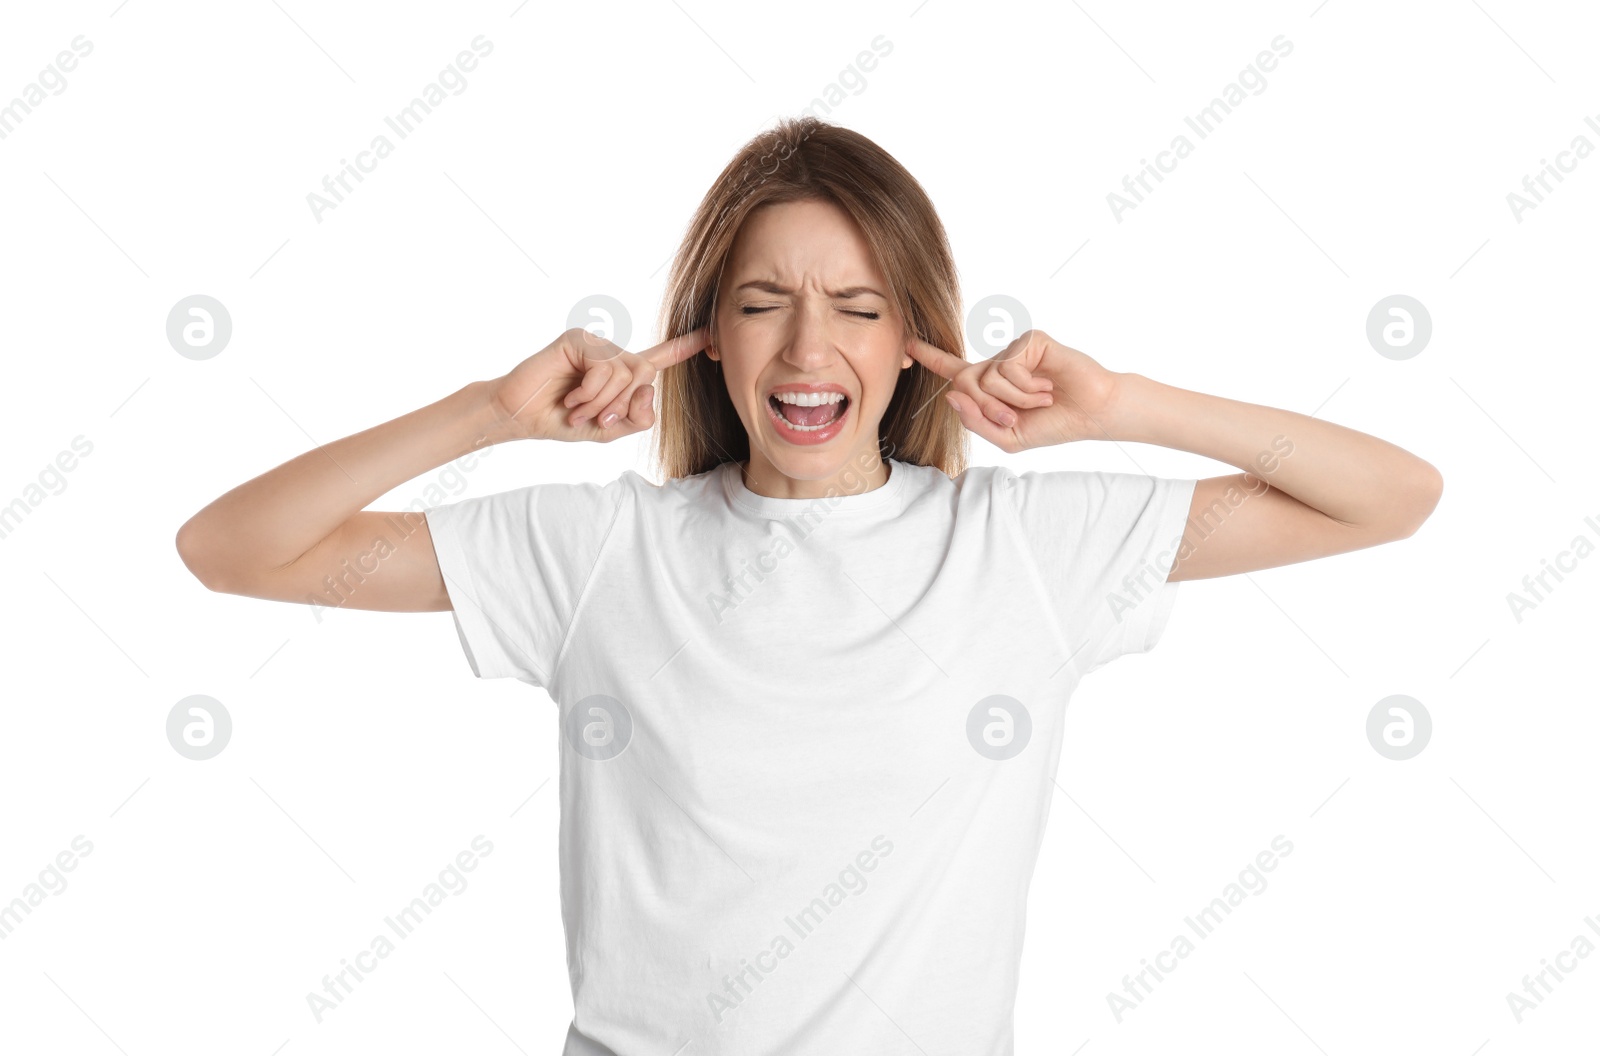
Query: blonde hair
pixel 804 159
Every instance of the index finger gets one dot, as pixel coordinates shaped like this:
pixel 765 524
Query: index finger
pixel 677 349
pixel 937 359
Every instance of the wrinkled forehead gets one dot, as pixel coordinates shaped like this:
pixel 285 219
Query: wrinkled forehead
pixel 812 245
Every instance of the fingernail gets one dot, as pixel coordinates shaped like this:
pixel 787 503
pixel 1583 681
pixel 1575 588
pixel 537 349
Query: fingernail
pixel 580 419
pixel 951 400
pixel 1007 418
pixel 608 419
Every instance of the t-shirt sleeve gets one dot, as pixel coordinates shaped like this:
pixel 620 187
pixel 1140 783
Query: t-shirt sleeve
pixel 1102 544
pixel 515 565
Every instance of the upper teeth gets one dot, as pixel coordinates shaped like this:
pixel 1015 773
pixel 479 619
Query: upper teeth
pixel 809 399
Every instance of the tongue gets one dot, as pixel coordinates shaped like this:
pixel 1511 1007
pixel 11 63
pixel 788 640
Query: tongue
pixel 819 415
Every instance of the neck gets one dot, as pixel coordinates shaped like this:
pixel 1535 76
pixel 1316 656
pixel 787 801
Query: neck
pixel 864 471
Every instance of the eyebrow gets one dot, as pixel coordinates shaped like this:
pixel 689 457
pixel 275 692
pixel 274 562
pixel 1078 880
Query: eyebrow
pixel 772 287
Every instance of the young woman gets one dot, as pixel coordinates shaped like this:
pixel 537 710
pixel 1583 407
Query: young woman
pixel 811 687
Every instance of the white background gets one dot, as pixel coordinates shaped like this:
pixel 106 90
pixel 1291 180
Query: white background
pixel 364 756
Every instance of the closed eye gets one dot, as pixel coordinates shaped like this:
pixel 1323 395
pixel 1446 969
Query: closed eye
pixel 750 309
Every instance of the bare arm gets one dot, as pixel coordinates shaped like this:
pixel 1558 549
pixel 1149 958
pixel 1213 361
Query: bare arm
pixel 281 534
pixel 1311 488
pixel 293 532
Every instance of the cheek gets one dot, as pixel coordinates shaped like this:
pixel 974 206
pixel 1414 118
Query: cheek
pixel 740 383
pixel 886 375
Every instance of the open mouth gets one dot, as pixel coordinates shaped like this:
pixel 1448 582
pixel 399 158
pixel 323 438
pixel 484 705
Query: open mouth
pixel 808 412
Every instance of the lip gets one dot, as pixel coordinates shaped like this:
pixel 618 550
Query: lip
pixel 781 426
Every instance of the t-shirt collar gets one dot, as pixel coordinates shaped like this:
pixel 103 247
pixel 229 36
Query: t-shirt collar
pixel 843 502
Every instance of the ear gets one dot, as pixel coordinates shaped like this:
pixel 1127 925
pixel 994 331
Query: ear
pixel 712 353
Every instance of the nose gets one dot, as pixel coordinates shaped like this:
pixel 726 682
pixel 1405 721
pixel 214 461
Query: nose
pixel 810 344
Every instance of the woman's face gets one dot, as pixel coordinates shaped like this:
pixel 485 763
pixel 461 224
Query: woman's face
pixel 803 318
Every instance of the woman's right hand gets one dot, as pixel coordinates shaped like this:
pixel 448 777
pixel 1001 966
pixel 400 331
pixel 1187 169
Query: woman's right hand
pixel 584 387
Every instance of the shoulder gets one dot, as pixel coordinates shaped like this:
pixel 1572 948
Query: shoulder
pixel 976 483
pixel 974 496
pixel 1075 485
pixel 580 501
pixel 673 491
pixel 923 482
pixel 1047 499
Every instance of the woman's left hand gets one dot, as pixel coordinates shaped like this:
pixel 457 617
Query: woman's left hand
pixel 1033 393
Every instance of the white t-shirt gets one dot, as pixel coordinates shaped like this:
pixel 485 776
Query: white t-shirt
pixel 807 745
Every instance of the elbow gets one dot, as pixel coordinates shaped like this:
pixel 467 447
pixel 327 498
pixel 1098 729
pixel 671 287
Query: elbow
pixel 1419 499
pixel 191 546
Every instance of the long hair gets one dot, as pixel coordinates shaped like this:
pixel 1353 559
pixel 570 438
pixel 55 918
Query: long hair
pixel 803 159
